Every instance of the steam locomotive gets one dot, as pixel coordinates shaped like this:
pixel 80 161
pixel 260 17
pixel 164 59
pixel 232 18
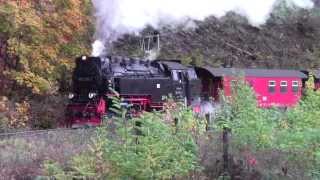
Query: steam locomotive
pixel 144 84
pixel 140 83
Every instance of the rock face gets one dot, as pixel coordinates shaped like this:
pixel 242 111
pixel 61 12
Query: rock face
pixel 289 39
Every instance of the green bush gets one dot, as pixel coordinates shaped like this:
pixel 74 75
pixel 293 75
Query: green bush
pixel 295 132
pixel 154 149
pixel 301 132
pixel 251 127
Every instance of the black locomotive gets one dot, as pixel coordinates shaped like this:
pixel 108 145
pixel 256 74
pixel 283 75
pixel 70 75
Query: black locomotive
pixel 141 83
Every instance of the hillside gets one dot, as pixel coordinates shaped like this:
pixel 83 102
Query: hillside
pixel 289 39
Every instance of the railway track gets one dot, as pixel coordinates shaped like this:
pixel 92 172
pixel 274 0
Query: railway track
pixel 35 132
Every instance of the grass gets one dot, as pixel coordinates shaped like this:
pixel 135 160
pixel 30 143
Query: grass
pixel 23 156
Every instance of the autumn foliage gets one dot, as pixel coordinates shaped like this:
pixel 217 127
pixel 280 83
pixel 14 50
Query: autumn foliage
pixel 39 40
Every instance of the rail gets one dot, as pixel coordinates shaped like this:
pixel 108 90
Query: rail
pixel 34 132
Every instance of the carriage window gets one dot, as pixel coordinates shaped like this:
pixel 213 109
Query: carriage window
pixel 295 86
pixel 283 86
pixel 272 86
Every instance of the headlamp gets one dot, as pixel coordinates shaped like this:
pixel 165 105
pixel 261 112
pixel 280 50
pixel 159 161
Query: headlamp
pixel 71 96
pixel 92 95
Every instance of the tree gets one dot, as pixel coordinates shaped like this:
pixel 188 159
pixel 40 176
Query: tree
pixel 43 37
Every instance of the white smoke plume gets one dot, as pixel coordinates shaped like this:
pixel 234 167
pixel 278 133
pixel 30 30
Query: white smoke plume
pixel 117 17
pixel 97 48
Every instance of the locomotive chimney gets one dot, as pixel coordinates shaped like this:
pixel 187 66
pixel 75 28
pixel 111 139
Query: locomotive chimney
pixel 142 62
pixel 115 59
pixel 133 61
pixel 84 58
pixel 147 63
pixel 124 61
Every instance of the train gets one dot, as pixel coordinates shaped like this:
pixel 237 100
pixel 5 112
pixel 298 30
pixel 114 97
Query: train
pixel 144 85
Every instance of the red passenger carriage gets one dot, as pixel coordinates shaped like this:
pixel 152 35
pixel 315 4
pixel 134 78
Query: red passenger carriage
pixel 278 88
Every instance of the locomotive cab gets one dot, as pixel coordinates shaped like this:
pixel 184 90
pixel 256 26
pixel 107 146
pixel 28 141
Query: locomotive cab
pixel 185 82
pixel 194 87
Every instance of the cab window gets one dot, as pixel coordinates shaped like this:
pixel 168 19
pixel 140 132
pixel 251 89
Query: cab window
pixel 177 75
pixel 192 74
pixel 180 75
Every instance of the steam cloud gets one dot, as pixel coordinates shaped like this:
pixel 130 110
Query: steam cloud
pixel 117 17
pixel 97 48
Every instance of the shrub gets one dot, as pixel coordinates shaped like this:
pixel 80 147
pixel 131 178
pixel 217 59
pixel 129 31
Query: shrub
pixel 294 133
pixel 301 133
pixel 251 126
pixel 140 148
pixel 47 112
pixel 14 115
